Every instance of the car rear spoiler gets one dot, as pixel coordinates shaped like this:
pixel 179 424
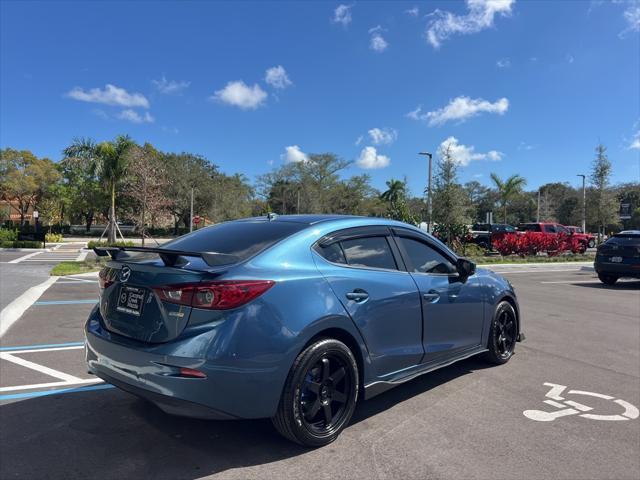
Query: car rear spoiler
pixel 168 256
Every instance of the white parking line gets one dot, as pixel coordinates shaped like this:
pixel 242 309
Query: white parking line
pixel 39 368
pixel 574 281
pixel 50 349
pixel 51 384
pixel 12 312
pixel 23 258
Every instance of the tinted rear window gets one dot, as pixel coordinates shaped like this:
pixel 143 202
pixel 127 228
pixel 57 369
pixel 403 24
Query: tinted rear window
pixel 240 239
pixel 626 240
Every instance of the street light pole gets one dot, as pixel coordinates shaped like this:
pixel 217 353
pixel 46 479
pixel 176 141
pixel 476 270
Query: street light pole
pixel 584 204
pixel 429 204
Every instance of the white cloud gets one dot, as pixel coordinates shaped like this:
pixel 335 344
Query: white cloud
pixel 463 154
pixel 525 146
pixel 111 95
pixel 377 42
pixel 277 77
pixel 370 159
pixel 632 17
pixel 170 86
pixel 503 63
pixel 460 109
pixel 239 94
pixel 293 153
pixel 135 117
pixel 359 140
pixel 570 58
pixel 635 141
pixel 342 15
pixel 383 136
pixel 412 12
pixel 480 15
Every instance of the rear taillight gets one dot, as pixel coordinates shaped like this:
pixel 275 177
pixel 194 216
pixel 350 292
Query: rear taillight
pixel 105 278
pixel 221 295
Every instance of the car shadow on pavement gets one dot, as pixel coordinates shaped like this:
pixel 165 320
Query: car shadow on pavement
pixel 110 434
pixel 617 286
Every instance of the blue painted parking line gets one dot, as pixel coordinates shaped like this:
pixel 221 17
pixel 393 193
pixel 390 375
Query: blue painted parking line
pixel 65 302
pixel 60 391
pixel 36 347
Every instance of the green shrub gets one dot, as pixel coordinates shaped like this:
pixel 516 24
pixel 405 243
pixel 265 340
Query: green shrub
pixel 20 244
pixel 94 243
pixel 471 250
pixel 53 238
pixel 8 235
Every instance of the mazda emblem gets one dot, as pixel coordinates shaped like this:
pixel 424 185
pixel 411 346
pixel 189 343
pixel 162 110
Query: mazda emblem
pixel 125 273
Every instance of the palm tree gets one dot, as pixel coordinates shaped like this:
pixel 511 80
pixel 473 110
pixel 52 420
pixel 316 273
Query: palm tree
pixel 507 189
pixel 396 191
pixel 109 161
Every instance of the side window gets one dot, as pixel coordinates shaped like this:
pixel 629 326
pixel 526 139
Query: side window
pixel 369 252
pixel 550 228
pixel 425 259
pixel 332 252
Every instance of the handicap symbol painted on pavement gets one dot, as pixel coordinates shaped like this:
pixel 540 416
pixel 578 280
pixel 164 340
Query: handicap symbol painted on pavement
pixel 569 407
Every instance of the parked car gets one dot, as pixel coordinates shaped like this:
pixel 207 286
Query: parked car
pixel 555 228
pixel 591 239
pixel 484 234
pixel 619 257
pixel 295 318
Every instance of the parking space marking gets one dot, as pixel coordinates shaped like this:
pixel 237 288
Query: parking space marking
pixel 569 407
pixel 18 396
pixel 9 357
pixel 12 312
pixel 65 302
pixel 50 384
pixel 41 347
pixel 25 257
pixel 52 349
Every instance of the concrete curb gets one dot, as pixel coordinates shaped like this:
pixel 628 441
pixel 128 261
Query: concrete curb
pixel 12 312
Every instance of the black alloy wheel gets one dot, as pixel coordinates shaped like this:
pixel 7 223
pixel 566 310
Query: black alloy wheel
pixel 320 394
pixel 503 334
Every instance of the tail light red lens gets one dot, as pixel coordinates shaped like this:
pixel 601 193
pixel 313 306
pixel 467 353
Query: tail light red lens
pixel 222 295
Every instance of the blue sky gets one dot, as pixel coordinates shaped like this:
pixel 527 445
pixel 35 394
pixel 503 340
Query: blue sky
pixel 524 87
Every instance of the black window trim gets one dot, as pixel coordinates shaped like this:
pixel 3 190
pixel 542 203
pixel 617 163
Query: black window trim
pixel 410 234
pixel 355 233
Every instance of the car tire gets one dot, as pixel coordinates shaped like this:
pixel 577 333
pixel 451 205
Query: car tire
pixel 592 243
pixel 607 279
pixel 320 394
pixel 503 334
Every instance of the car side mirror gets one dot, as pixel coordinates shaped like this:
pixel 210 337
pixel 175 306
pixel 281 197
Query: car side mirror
pixel 465 267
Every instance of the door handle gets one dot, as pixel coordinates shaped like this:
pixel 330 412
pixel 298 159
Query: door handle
pixel 357 295
pixel 431 296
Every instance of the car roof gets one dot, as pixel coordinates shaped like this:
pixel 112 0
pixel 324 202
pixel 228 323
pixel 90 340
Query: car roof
pixel 308 219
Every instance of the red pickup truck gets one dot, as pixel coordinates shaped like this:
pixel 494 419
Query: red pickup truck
pixel 585 239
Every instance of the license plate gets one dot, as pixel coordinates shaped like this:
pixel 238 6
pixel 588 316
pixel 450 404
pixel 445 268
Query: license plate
pixel 130 300
pixel 616 259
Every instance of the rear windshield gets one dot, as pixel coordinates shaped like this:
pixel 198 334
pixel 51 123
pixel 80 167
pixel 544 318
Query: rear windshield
pixel 624 239
pixel 240 239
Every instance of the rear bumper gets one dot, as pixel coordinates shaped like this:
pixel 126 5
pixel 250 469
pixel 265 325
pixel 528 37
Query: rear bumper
pixel 230 389
pixel 631 270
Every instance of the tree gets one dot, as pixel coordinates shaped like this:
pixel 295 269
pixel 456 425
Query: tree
pixel 86 196
pixel 507 189
pixel 602 198
pixel 24 179
pixel 145 184
pixel 189 172
pixel 109 159
pixel 481 200
pixel 396 199
pixel 450 210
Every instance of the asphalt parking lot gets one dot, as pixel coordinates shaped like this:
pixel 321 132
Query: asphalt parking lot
pixel 563 407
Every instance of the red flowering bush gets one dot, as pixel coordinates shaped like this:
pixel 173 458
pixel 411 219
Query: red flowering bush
pixel 532 243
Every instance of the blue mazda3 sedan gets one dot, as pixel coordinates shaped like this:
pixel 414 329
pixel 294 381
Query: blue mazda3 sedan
pixel 294 318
